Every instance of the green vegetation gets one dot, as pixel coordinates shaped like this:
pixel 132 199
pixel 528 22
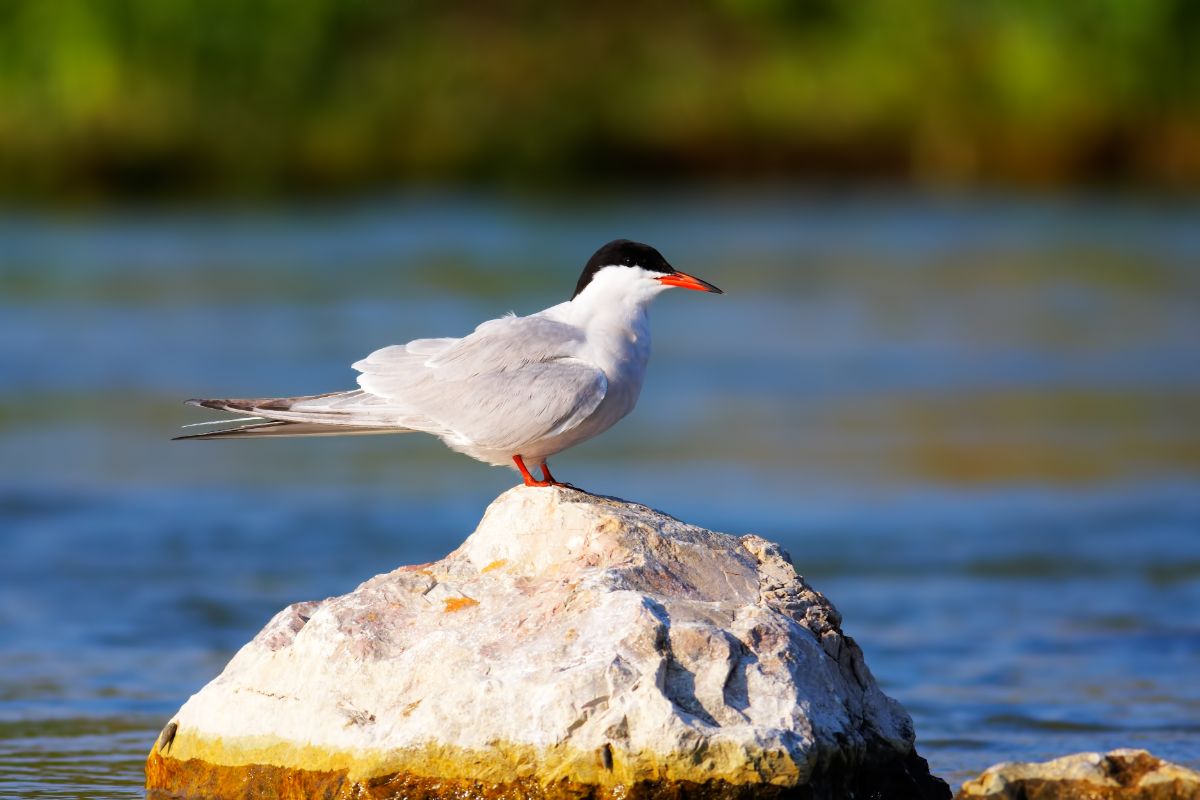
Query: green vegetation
pixel 106 98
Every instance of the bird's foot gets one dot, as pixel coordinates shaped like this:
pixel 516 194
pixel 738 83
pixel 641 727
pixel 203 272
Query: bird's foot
pixel 547 478
pixel 532 481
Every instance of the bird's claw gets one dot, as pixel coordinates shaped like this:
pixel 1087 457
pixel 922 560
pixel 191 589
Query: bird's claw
pixel 558 484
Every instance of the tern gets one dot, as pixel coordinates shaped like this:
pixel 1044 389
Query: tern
pixel 516 391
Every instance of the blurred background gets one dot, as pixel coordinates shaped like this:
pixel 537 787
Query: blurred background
pixel 955 372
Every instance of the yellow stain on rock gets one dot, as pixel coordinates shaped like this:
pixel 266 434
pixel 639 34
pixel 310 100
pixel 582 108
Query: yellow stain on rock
pixel 459 603
pixel 171 779
pixel 262 766
pixel 494 565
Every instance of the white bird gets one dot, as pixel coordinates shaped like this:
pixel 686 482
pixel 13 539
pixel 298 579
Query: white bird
pixel 516 391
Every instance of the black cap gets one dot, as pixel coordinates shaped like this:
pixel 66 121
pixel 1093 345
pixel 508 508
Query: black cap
pixel 622 253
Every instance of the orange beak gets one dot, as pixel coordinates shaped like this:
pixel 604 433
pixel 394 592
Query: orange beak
pixel 686 281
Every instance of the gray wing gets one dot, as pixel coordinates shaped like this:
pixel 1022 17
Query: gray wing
pixel 513 381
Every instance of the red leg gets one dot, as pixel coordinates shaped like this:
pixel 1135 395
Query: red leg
pixel 529 480
pixel 547 478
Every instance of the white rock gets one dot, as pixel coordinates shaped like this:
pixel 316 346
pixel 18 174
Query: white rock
pixel 571 640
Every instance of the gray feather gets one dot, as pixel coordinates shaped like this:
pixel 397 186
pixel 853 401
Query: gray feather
pixel 354 408
pixel 281 430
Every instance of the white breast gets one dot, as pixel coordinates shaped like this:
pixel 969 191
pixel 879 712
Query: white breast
pixel 612 312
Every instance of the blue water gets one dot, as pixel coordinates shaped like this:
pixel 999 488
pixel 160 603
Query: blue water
pixel 974 423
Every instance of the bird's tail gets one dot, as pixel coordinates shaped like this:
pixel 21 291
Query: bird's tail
pixel 332 414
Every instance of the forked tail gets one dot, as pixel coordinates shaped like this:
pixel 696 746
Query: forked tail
pixel 332 414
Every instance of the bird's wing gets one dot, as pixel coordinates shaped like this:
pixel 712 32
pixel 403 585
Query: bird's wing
pixel 398 357
pixel 506 344
pixel 513 381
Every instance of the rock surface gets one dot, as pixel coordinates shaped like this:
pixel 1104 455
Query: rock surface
pixel 573 646
pixel 1117 775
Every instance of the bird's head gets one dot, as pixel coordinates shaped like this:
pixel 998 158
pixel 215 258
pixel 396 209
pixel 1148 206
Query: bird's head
pixel 634 269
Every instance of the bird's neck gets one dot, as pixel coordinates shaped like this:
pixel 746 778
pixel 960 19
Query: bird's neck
pixel 604 308
pixel 616 324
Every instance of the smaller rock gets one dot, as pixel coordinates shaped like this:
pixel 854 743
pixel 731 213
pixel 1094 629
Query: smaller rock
pixel 1124 774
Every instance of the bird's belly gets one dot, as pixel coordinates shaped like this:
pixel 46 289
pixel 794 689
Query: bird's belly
pixel 607 414
pixel 611 410
pixel 624 369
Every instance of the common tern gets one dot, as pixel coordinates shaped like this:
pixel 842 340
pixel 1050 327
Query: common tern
pixel 516 391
